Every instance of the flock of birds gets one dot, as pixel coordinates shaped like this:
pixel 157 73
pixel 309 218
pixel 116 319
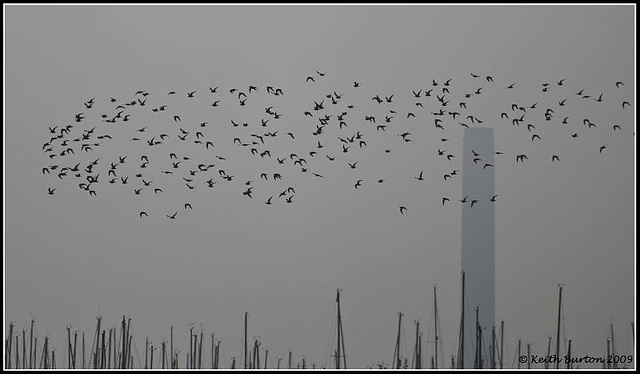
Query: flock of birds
pixel 166 148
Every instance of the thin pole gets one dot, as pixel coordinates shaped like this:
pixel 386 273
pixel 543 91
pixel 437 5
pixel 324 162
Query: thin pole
pixel 435 323
pixel 546 364
pixel 501 342
pixel 461 355
pixel 477 353
pixel 103 355
pixel 123 355
pixel 416 350
pixel 146 353
pixel 17 352
pixel 75 347
pixel 212 351
pixel 613 347
pixel 569 355
pixel 10 345
pixel 245 339
pixel 396 355
pixel 493 347
pixel 172 352
pixel 558 330
pixel 289 362
pixel 109 356
pixel 529 355
pixel 31 345
pixel 24 349
pixel 200 349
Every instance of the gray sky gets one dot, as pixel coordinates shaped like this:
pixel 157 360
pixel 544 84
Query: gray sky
pixel 70 255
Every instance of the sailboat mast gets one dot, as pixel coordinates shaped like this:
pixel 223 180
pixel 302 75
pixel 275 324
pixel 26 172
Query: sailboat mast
pixel 501 342
pixel 397 362
pixel 461 354
pixel 245 339
pixel 435 323
pixel 558 330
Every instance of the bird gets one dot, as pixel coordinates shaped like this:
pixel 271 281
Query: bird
pixel 625 102
pixel 248 192
pixel 358 183
pixel 619 84
pixel 173 216
pixel 52 190
pixel 419 177
pixel 473 202
pixel 494 198
pixel 402 209
pixel 602 147
pixel 143 213
pixel 445 199
pixel 268 202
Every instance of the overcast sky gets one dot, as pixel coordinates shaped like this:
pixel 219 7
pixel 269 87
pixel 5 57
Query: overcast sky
pixel 70 256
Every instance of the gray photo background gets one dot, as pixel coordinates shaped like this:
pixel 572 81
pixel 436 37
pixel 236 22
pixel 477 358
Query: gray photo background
pixel 70 256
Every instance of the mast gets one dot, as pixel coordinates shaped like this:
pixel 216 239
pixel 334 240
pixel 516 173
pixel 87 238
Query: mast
pixel 146 353
pixel 397 362
pixel 164 354
pixel 435 323
pixel 24 349
pixel 245 339
pixel 558 330
pixel 151 361
pixel 501 342
pixel 613 347
pixel 123 334
pixel 493 347
pixel 569 355
pixel 173 366
pixel 416 350
pixel 546 364
pixel 608 352
pixel 212 351
pixel 461 342
pixel 266 355
pixel 340 339
pixel 8 356
pixel 31 344
pixel 69 351
pixel 200 348
pixel 477 364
